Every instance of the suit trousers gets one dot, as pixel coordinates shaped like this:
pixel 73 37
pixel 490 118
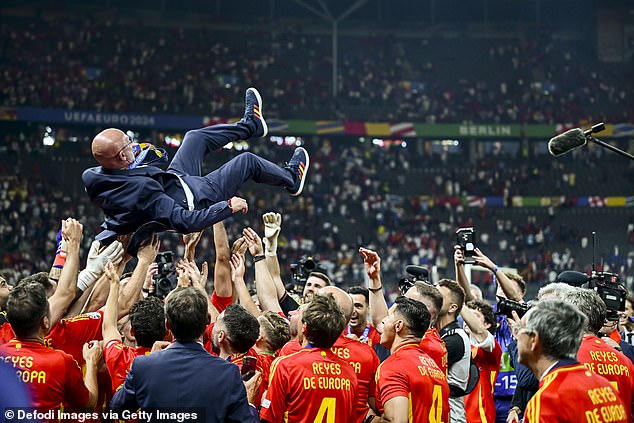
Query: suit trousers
pixel 224 182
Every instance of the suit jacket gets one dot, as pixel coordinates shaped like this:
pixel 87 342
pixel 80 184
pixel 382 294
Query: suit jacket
pixel 185 377
pixel 130 198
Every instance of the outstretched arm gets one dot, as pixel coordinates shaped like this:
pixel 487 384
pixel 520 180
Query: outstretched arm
pixel 237 275
pixel 461 276
pixel 222 268
pixel 66 290
pixel 272 227
pixel 378 305
pixel 111 313
pixel 264 285
pixel 131 291
pixel 511 290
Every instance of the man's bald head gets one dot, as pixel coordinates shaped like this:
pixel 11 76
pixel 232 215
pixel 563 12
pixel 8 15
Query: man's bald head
pixel 109 148
pixel 342 298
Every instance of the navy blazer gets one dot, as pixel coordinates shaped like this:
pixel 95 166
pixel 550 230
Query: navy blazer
pixel 185 376
pixel 130 198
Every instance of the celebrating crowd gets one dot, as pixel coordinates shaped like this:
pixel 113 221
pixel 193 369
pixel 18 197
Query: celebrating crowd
pixel 100 344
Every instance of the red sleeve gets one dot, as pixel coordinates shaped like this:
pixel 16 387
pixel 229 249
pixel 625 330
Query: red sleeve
pixel 75 392
pixel 372 386
pixel 390 384
pixel 273 405
pixel 221 303
pixel 114 355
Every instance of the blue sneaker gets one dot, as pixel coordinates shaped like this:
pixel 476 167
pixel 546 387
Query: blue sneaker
pixel 298 166
pixel 253 112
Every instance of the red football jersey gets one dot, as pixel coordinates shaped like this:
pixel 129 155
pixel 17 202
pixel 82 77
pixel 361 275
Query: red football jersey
pixel 409 372
pixel 605 361
pixel 52 375
pixel 575 394
pixel 369 335
pixel 221 303
pixel 479 404
pixel 313 385
pixel 207 338
pixel 291 347
pixel 70 335
pixel 434 346
pixel 364 362
pixel 6 333
pixel 118 358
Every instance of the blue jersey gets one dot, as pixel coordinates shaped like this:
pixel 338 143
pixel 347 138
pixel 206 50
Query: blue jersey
pixel 506 380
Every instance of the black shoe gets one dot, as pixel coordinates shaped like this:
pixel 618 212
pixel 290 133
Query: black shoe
pixel 298 165
pixel 253 112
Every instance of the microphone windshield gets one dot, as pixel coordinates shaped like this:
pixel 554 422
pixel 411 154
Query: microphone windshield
pixel 419 272
pixel 572 277
pixel 566 142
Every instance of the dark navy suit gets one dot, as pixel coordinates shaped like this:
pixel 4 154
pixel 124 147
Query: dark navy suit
pixel 186 378
pixel 130 198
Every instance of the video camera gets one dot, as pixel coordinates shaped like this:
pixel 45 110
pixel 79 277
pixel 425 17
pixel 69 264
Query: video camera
pixel 165 280
pixel 506 307
pixel 417 274
pixel 303 268
pixel 607 285
pixel 465 237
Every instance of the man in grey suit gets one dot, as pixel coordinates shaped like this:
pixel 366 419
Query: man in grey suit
pixel 184 377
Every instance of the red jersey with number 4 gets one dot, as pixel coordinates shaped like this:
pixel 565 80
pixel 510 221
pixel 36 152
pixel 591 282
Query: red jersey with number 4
pixel 574 394
pixel 479 404
pixel 52 375
pixel 119 358
pixel 409 372
pixel 605 361
pixel 70 335
pixel 364 362
pixel 311 386
pixel 435 347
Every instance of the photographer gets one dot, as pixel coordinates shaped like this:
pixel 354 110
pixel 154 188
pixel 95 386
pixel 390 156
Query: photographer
pixel 509 286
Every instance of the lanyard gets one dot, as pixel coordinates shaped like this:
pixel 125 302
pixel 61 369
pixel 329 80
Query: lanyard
pixel 141 151
pixel 364 336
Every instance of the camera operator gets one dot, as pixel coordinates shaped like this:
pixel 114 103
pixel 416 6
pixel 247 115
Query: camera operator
pixel 626 320
pixel 509 286
pixel 595 354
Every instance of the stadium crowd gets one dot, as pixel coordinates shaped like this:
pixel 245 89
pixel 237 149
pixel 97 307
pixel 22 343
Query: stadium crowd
pixel 98 62
pixel 211 326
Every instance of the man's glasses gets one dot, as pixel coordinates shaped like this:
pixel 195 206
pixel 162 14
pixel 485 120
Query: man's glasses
pixel 130 135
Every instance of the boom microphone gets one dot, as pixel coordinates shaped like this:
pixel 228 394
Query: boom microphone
pixel 418 272
pixel 572 277
pixel 568 141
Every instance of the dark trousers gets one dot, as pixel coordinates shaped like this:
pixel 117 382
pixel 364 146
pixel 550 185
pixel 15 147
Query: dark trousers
pixel 224 182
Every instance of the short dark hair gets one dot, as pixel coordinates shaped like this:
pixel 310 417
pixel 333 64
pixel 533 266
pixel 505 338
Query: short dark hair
pixel 425 290
pixel 324 320
pixel 487 311
pixel 41 277
pixel 276 328
pixel 147 318
pixel 415 314
pixel 457 293
pixel 243 329
pixel 321 276
pixel 26 307
pixel 186 313
pixel 359 290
